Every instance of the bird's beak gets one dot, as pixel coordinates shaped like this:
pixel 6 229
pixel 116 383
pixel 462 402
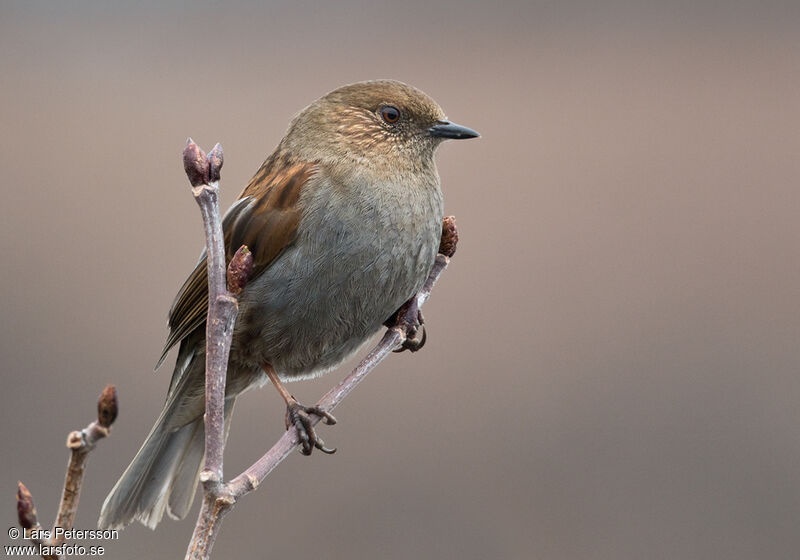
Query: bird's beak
pixel 446 129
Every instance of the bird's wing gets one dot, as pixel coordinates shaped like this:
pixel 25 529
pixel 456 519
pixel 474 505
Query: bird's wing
pixel 265 218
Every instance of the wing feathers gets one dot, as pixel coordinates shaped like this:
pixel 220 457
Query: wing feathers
pixel 265 218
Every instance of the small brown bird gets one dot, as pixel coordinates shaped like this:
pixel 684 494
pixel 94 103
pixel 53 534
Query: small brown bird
pixel 343 221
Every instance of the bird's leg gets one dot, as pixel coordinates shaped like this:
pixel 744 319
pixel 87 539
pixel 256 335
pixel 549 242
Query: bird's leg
pixel 409 316
pixel 298 415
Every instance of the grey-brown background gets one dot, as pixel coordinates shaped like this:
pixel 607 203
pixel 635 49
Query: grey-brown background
pixel 612 367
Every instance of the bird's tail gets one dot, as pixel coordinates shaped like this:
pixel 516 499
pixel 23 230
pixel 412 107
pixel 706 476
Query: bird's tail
pixel 163 475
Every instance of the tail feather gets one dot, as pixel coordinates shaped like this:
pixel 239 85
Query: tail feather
pixel 162 476
pixel 184 482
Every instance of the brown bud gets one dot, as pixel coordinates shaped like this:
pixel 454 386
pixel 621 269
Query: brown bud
pixel 195 164
pixel 107 406
pixel 215 160
pixel 25 508
pixel 239 270
pixel 447 246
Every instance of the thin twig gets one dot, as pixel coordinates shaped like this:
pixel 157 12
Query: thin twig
pixel 204 174
pixel 81 443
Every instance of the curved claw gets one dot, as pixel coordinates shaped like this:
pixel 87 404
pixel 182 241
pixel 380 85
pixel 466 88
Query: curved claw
pixel 319 444
pixel 326 417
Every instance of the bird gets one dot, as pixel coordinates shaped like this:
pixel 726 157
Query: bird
pixel 343 221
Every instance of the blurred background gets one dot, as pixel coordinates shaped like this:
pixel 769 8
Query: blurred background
pixel 612 363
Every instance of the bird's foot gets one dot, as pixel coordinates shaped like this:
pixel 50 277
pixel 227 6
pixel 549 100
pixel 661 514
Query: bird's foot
pixel 299 416
pixel 410 318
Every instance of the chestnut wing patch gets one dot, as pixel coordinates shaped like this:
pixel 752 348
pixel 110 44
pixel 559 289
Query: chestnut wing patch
pixel 265 218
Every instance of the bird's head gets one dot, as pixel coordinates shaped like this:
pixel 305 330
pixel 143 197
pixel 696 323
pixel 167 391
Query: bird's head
pixel 381 122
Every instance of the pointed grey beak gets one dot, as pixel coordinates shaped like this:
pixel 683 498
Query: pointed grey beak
pixel 446 129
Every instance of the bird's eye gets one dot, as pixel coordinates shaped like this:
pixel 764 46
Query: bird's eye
pixel 390 114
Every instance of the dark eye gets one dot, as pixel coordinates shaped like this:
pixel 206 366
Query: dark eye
pixel 390 114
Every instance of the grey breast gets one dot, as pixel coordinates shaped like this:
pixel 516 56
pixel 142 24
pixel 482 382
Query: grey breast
pixel 354 262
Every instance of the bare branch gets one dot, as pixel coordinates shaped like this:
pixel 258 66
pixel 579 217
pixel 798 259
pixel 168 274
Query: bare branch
pixel 222 307
pixel 80 442
pixel 203 173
